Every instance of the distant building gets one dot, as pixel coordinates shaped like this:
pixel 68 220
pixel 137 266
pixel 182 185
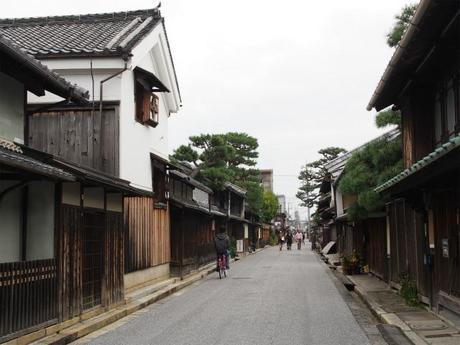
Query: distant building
pixel 297 216
pixel 281 203
pixel 267 179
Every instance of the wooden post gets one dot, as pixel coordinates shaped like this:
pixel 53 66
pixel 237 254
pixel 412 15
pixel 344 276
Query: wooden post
pixel 181 246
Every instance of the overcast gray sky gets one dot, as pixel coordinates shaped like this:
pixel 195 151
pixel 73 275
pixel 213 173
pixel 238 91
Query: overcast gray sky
pixel 296 74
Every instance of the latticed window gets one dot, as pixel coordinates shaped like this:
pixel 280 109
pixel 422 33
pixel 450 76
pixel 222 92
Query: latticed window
pixel 447 110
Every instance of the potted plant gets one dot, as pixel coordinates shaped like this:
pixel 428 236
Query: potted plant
pixel 355 260
pixel 346 265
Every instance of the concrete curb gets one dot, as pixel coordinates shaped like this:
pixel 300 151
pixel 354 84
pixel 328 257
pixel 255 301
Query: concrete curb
pixel 387 318
pixel 83 328
pixel 375 308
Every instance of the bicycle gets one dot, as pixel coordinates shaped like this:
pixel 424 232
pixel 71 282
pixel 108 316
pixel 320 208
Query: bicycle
pixel 222 266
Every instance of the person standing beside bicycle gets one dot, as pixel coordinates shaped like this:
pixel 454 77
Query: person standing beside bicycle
pixel 222 244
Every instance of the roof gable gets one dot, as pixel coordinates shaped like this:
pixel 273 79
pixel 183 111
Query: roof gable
pixel 106 34
pixel 431 21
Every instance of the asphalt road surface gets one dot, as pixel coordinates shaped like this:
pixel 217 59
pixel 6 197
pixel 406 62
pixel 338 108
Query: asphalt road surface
pixel 272 297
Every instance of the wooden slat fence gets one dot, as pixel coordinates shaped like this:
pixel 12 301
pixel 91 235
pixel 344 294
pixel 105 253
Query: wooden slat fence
pixel 28 294
pixel 113 287
pixel 147 242
pixel 70 262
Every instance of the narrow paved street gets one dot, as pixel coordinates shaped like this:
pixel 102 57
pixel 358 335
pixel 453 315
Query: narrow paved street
pixel 270 298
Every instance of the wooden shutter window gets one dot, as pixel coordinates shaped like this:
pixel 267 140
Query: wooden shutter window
pixel 154 111
pixel 147 106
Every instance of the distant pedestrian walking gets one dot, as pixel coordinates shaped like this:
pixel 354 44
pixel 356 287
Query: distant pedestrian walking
pixel 298 238
pixel 281 240
pixel 289 240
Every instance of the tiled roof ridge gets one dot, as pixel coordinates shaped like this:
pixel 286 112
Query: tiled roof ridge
pixel 82 18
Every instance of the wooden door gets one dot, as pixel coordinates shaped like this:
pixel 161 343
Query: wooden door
pixel 446 276
pixel 92 258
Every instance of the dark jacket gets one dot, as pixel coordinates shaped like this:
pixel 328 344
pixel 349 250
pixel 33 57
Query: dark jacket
pixel 289 238
pixel 222 242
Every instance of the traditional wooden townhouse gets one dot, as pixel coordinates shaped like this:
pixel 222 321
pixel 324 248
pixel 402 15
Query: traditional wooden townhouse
pixel 124 60
pixel 422 80
pixel 255 238
pixel 237 225
pixel 192 225
pixel 324 229
pixel 266 229
pixel 228 208
pixel 365 237
pixel 61 224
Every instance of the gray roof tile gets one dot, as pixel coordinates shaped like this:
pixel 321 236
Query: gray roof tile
pixel 91 34
pixel 12 155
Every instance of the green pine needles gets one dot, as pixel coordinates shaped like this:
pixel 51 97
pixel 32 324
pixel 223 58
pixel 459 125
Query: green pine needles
pixel 401 24
pixel 366 169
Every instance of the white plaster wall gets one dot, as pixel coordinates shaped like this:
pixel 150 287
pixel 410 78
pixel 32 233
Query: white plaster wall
pixel 11 108
pixel 111 88
pixel 138 140
pixel 115 202
pixel 155 44
pixel 201 197
pixel 10 223
pixel 332 203
pixel 40 221
pixel 338 202
pixel 71 193
pixel 93 197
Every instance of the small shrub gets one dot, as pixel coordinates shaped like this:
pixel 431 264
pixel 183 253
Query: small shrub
pixel 232 248
pixel 273 240
pixel 408 289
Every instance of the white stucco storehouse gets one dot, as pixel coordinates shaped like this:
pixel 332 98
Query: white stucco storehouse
pixel 128 53
pixel 107 42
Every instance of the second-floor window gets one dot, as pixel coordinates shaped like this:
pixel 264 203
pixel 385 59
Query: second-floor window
pixel 147 87
pixel 447 110
pixel 147 106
